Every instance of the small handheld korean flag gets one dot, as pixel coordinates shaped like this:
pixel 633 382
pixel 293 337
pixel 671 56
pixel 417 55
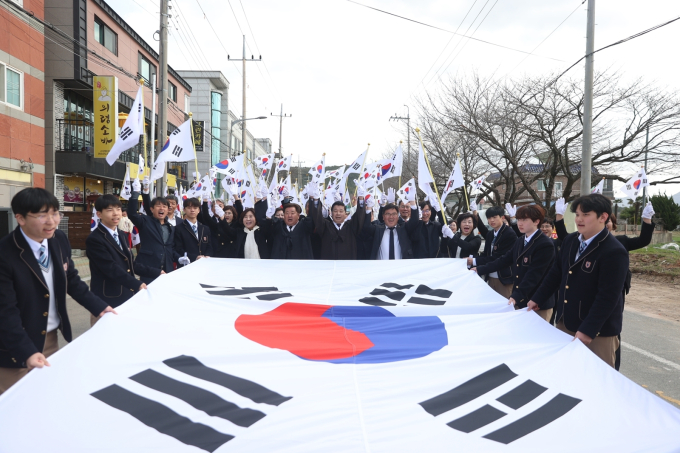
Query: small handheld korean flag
pixel 131 130
pixel 140 169
pixel 265 161
pixel 318 170
pixel 406 190
pixel 126 191
pixel 391 168
pixel 476 185
pixel 95 219
pixel 455 180
pixel 599 188
pixel 634 186
pixel 178 148
pixel 230 167
pixel 355 167
pixel 285 163
pixel 135 236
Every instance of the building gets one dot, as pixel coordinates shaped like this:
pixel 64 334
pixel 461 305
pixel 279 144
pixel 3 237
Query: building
pixel 209 106
pixel 22 99
pixel 103 45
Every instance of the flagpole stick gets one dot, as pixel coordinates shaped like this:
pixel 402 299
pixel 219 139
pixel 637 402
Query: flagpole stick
pixel 146 154
pixel 427 161
pixel 191 117
pixel 464 189
pixel 323 194
pixel 363 164
pixel 402 164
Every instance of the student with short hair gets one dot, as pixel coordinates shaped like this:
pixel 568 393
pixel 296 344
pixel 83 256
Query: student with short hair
pixel 530 260
pixel 36 273
pixel 111 262
pixel 192 238
pixel 589 273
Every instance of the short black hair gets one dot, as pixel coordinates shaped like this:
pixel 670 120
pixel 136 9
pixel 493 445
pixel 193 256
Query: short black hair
pixel 401 202
pixel 291 205
pixel 466 215
pixel 425 203
pixel 593 202
pixel 107 201
pixel 33 200
pixel 338 203
pixel 548 220
pixel 159 200
pixel 389 206
pixel 494 211
pixel 172 198
pixel 192 202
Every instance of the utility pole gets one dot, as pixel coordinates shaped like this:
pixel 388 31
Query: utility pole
pixel 244 59
pixel 300 181
pixel 408 128
pixel 644 190
pixel 586 156
pixel 281 116
pixel 163 86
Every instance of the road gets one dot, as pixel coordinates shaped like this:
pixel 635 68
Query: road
pixel 650 354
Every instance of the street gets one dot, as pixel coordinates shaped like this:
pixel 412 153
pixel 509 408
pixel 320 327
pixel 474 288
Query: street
pixel 650 354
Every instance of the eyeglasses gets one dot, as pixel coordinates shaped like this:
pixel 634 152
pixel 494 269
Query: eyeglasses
pixel 42 218
pixel 391 214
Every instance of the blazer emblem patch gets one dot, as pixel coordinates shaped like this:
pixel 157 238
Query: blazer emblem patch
pixel 495 247
pixel 526 260
pixel 65 267
pixel 587 264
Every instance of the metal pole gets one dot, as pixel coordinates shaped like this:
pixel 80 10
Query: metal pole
pixel 588 102
pixel 243 126
pixel 408 130
pixel 280 130
pixel 644 190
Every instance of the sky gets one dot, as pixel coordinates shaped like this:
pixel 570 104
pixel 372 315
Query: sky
pixel 342 70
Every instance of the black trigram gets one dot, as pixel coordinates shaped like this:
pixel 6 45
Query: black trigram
pixel 125 133
pixel 177 150
pixel 247 292
pixel 166 421
pixel 513 399
pixel 421 295
pixel 356 166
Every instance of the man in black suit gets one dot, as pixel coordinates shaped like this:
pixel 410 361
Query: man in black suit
pixel 36 273
pixel 589 273
pixel 498 241
pixel 113 274
pixel 338 236
pixel 392 241
pixel 156 235
pixel 192 238
pixel 290 237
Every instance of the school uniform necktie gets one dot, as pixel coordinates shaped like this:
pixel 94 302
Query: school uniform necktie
pixel 391 255
pixel 581 249
pixel 115 238
pixel 195 228
pixel 526 241
pixel 44 259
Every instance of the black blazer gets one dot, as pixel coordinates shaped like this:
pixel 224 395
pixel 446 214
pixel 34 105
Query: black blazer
pixel 222 246
pixel 529 266
pixel 24 296
pixel 113 274
pixel 590 298
pixel 342 244
pixel 186 241
pixel 153 252
pixel 427 237
pixel 287 245
pixel 505 241
pixel 405 233
pixel 468 246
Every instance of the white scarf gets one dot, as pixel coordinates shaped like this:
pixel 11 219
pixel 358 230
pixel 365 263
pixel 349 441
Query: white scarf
pixel 250 250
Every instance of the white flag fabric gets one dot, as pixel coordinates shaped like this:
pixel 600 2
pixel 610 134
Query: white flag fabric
pixel 318 170
pixel 134 236
pixel 599 188
pixel 230 167
pixel 264 161
pixel 126 190
pixel 391 168
pixel 356 166
pixel 95 219
pixel 371 176
pixel 285 164
pixel 336 174
pixel 131 130
pixel 424 176
pixel 455 180
pixel 178 148
pixel 633 188
pixel 476 185
pixel 406 189
pixel 140 166
pixel 235 355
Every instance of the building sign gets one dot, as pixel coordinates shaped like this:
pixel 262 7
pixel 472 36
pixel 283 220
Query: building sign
pixel 199 127
pixel 105 99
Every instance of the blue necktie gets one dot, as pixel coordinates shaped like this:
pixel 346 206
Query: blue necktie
pixel 581 248
pixel 193 227
pixel 526 241
pixel 115 237
pixel 44 259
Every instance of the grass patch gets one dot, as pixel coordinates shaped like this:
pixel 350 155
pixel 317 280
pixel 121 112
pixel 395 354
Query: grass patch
pixel 654 260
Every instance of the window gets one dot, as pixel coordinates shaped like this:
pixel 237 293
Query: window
pixel 541 186
pixel 146 69
pixel 172 92
pixel 215 120
pixel 105 36
pixel 11 81
pixel 187 103
pixel 558 186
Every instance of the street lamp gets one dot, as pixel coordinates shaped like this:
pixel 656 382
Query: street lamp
pixel 231 129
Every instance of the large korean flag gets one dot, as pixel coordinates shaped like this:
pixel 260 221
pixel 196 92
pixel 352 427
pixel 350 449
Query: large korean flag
pixel 223 370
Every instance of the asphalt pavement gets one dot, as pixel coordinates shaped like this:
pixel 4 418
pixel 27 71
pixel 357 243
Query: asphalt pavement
pixel 650 350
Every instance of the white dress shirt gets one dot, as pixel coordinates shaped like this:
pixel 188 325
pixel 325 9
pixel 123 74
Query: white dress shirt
pixel 111 232
pixel 193 224
pixel 587 241
pixel 384 251
pixel 53 315
pixel 527 239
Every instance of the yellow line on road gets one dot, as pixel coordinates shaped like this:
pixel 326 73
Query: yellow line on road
pixel 667 398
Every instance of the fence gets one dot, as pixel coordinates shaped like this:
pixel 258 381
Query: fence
pixel 78 228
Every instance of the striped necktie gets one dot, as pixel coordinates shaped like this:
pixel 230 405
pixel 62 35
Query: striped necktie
pixel 195 228
pixel 581 249
pixel 44 259
pixel 115 237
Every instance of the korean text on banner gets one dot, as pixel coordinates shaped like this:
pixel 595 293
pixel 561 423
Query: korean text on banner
pixel 105 97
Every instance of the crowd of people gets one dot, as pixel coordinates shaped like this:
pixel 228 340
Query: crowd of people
pixel 576 281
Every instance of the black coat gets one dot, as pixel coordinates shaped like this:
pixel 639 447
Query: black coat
pixel 468 246
pixel 153 252
pixel 186 241
pixel 529 266
pixel 24 297
pixel 221 245
pixel 111 269
pixel 505 241
pixel 405 233
pixel 590 297
pixel 337 244
pixel 287 245
pixel 236 233
pixel 427 237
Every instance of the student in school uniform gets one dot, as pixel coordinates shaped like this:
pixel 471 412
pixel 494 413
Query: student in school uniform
pixel 530 259
pixel 589 273
pixel 192 238
pixel 111 262
pixel 498 241
pixel 36 273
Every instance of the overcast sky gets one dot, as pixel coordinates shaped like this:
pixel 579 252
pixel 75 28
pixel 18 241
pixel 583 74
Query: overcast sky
pixel 342 69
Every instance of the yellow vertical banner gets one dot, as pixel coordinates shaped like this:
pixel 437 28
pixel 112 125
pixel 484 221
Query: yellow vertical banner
pixel 105 100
